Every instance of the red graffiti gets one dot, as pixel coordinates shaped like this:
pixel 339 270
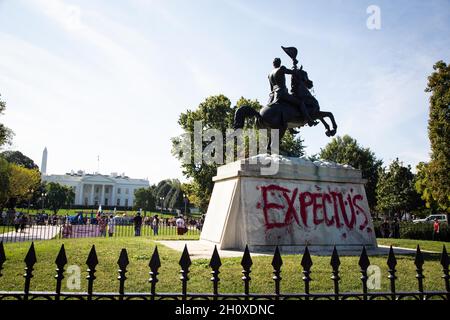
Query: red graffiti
pixel 328 208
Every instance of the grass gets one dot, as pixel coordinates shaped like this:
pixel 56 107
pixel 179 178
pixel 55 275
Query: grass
pixel 435 246
pixel 140 251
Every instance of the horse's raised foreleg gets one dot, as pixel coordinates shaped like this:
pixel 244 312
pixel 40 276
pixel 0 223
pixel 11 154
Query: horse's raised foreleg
pixel 324 114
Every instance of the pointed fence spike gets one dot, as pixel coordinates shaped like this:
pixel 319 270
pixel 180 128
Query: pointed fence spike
pixel 445 276
pixel 2 257
pixel 185 260
pixel 392 262
pixel 277 261
pixel 215 263
pixel 123 262
pixel 92 260
pixel 246 264
pixel 30 259
pixel 154 264
pixel 306 263
pixel 364 261
pixel 306 260
pixel 185 263
pixel 335 261
pixel 61 259
pixel 419 260
pixel 364 264
pixel 444 258
pixel 246 261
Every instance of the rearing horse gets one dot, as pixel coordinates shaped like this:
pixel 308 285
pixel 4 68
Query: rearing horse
pixel 283 116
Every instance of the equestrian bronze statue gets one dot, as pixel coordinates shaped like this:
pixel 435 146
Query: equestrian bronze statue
pixel 287 110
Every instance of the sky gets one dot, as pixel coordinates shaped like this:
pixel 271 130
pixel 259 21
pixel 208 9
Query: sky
pixel 107 80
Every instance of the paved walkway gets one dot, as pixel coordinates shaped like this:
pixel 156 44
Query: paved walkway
pixel 199 249
pixel 31 234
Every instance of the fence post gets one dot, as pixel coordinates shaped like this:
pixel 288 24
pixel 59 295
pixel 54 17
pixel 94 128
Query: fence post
pixel 246 264
pixel 123 263
pixel 30 261
pixel 91 262
pixel 392 262
pixel 445 276
pixel 185 263
pixel 277 262
pixel 335 263
pixel 61 261
pixel 419 261
pixel 215 264
pixel 364 263
pixel 154 264
pixel 306 264
pixel 2 257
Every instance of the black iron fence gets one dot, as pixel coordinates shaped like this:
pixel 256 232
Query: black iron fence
pixel 215 265
pixel 61 229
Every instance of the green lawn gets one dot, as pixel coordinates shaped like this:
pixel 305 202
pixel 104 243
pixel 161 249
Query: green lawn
pixel 140 250
pixel 435 246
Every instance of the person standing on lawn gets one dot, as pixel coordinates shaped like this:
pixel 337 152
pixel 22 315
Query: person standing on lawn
pixel 137 224
pixel 181 225
pixel 436 229
pixel 111 225
pixel 155 225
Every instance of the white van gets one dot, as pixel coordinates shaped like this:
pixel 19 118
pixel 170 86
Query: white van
pixel 430 218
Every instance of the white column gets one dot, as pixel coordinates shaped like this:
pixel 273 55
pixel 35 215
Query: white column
pixel 91 200
pixel 102 195
pixel 113 196
pixel 80 190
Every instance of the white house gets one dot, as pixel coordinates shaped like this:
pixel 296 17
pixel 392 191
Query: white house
pixel 95 189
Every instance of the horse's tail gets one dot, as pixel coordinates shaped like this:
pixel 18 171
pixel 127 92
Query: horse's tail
pixel 243 113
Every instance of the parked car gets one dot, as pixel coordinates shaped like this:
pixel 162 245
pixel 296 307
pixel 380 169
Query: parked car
pixel 430 218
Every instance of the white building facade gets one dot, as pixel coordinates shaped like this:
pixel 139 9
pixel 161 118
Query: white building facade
pixel 97 189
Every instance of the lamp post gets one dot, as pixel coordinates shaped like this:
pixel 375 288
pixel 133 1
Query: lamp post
pixel 185 198
pixel 43 195
pixel 30 191
pixel 161 202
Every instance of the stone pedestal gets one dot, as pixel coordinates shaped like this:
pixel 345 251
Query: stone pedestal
pixel 319 204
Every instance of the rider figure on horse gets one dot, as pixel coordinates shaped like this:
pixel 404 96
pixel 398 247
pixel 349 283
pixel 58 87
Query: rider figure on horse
pixel 279 91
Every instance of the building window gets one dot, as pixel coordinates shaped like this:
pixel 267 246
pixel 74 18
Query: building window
pixel 126 191
pixel 118 190
pixel 106 201
pixel 118 202
pixel 106 190
pixel 97 189
pixel 126 202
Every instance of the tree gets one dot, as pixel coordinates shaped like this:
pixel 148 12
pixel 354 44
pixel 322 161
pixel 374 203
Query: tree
pixel 422 186
pixel 5 133
pixel 21 183
pixel 395 189
pixel 4 182
pixel 19 158
pixel 59 196
pixel 171 191
pixel 438 182
pixel 217 113
pixel 346 150
pixel 144 198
